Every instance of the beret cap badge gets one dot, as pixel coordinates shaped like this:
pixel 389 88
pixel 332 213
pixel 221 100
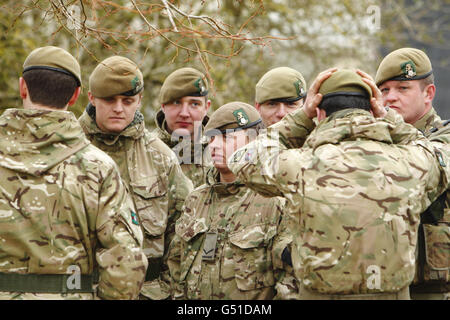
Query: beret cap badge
pixel 409 69
pixel 241 117
pixel 200 86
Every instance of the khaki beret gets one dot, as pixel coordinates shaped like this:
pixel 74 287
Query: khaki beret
pixel 55 59
pixel 116 75
pixel 233 116
pixel 404 64
pixel 183 82
pixel 345 82
pixel 283 84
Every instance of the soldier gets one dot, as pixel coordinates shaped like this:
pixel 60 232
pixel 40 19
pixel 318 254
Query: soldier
pixel 359 184
pixel 150 170
pixel 280 91
pixel 405 78
pixel 65 214
pixel 224 239
pixel 180 121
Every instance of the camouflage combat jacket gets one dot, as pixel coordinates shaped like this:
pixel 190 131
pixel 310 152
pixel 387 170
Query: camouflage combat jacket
pixel 194 158
pixel 433 249
pixel 359 185
pixel 155 180
pixel 63 205
pixel 239 263
pixel 429 121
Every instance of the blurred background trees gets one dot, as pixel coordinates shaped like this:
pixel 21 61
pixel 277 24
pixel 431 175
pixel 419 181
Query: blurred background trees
pixel 233 41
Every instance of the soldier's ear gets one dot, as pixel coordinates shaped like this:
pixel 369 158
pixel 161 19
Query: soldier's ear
pixel 257 106
pixel 321 114
pixel 23 89
pixel 75 96
pixel 91 98
pixel 429 93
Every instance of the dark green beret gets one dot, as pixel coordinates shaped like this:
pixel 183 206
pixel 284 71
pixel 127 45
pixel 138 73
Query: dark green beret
pixel 53 58
pixel 233 116
pixel 181 83
pixel 282 84
pixel 345 82
pixel 404 64
pixel 116 75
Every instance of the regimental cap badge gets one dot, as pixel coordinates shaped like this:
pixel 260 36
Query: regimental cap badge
pixel 241 117
pixel 409 69
pixel 299 88
pixel 200 85
pixel 136 84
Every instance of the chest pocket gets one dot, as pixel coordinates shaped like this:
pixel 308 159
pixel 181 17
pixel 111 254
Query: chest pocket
pixel 251 257
pixel 150 198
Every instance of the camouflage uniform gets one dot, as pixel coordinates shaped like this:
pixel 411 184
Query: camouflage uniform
pixel 63 204
pixel 157 185
pixel 245 224
pixel 194 169
pixel 429 121
pixel 363 228
pixel 432 278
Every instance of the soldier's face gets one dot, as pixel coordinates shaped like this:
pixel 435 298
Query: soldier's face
pixel 407 98
pixel 222 147
pixel 181 114
pixel 272 111
pixel 115 113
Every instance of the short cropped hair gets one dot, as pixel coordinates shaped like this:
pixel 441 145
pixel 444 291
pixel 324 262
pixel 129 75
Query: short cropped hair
pixel 426 81
pixel 50 88
pixel 336 103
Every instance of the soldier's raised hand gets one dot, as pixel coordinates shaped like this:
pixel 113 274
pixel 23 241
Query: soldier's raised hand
pixel 376 100
pixel 313 98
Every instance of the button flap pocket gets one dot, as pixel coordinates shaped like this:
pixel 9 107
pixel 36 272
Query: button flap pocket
pixel 437 246
pixel 151 204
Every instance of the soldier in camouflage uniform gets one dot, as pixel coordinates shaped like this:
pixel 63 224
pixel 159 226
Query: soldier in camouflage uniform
pixel 223 247
pixel 279 91
pixel 148 167
pixel 405 78
pixel 359 184
pixel 65 214
pixel 180 121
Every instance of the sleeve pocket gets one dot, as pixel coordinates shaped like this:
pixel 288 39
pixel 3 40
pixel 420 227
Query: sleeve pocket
pixel 437 251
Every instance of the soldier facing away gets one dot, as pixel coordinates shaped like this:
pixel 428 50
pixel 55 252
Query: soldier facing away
pixel 181 119
pixel 63 206
pixel 405 78
pixel 359 184
pixel 150 170
pixel 223 247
